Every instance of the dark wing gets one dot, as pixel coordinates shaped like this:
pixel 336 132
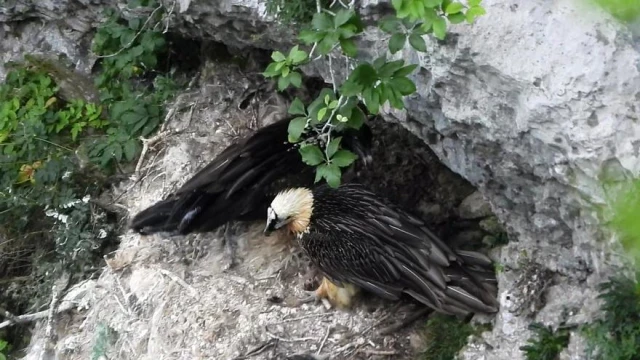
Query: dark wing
pixel 363 239
pixel 239 183
pixel 231 186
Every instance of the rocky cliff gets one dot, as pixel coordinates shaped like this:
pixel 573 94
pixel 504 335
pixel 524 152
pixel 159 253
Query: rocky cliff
pixel 534 104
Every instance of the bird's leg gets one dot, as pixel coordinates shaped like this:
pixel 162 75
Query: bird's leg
pixel 230 244
pixel 340 297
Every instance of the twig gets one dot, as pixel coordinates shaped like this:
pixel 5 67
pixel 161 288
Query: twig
pixel 146 143
pixel 378 352
pixel 326 336
pixel 48 348
pixel 168 16
pixel 134 37
pixel 302 318
pixel 192 291
pixel 274 336
pixel 333 75
pixel 8 315
pixel 27 318
pixel 258 350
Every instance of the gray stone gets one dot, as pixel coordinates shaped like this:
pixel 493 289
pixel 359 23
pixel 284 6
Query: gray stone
pixel 474 206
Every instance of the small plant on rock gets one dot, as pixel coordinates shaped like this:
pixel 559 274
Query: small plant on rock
pixel 546 344
pixel 617 334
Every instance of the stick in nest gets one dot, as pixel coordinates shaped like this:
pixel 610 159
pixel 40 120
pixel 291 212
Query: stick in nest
pixel 27 318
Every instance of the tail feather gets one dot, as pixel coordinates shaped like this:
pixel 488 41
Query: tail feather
pixel 154 218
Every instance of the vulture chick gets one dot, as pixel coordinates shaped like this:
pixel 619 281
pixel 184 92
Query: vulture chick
pixel 240 183
pixel 361 241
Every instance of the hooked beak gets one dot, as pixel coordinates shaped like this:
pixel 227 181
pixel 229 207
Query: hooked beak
pixel 273 226
pixel 268 230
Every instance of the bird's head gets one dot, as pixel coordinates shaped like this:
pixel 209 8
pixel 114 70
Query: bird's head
pixel 291 208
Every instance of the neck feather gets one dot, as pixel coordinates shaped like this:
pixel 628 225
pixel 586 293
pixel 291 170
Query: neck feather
pixel 300 201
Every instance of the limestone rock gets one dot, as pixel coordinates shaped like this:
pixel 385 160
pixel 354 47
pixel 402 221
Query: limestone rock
pixel 474 206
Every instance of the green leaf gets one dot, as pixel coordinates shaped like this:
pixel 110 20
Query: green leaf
pixel 404 71
pixel 379 62
pixel 321 170
pixel 403 85
pixel 283 83
pixel 333 104
pixel 295 78
pixel 387 70
pixel 296 128
pixel 321 113
pixel 432 3
pixel 332 147
pixel 371 100
pixel 417 42
pixel 130 148
pixel 322 21
pixel 473 3
pixel 297 56
pixel 273 70
pixel 115 150
pixel 332 175
pixel 390 25
pixel 364 75
pixel 311 155
pixel 396 43
pixel 456 18
pixel 343 158
pixel 350 88
pixel 356 119
pixel 297 107
pixel 318 103
pixel 349 47
pixel 285 71
pixel 453 8
pixel 347 31
pixel 277 56
pixel 440 28
pixel 309 36
pixel 397 4
pixel 342 17
pixel 474 12
pixel 326 44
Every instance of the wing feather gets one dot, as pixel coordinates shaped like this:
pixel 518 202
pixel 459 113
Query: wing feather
pixel 365 240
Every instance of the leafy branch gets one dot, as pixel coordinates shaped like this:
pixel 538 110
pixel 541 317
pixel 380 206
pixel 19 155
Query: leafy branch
pixel 374 83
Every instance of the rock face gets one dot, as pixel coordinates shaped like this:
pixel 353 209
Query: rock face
pixel 534 104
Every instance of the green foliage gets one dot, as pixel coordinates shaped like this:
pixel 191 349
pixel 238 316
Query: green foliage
pixel 330 31
pixel 546 343
pixel 282 68
pixel 56 153
pixel 445 336
pixel 617 334
pixel 129 49
pixel 4 346
pixel 375 84
pixel 626 207
pixel 292 11
pixel 104 337
pixel 625 10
